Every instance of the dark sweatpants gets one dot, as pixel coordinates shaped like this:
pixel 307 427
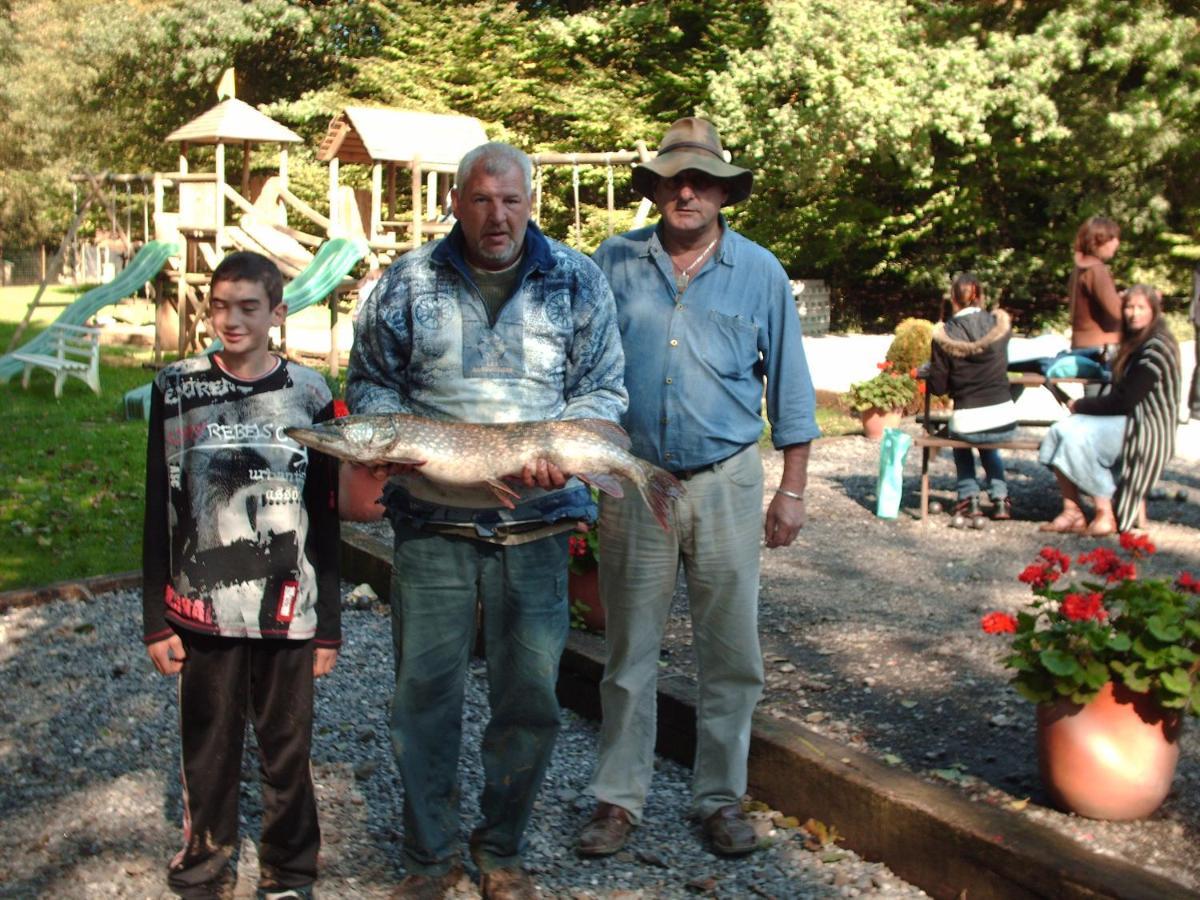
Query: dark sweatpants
pixel 225 681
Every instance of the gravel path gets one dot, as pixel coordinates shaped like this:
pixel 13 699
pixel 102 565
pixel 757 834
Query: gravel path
pixel 91 807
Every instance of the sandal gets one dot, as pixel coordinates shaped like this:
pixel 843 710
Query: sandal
pixel 1064 523
pixel 1102 527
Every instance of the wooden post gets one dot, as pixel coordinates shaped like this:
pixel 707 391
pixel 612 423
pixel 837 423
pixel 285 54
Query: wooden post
pixel 431 197
pixel 246 169
pixel 416 203
pixel 391 188
pixel 333 340
pixel 42 247
pixel 373 229
pixel 334 224
pixel 219 207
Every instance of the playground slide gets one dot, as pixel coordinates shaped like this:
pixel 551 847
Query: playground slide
pixel 142 268
pixel 334 260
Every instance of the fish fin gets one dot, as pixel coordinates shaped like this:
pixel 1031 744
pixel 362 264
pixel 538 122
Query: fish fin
pixel 503 492
pixel 603 481
pixel 609 431
pixel 658 488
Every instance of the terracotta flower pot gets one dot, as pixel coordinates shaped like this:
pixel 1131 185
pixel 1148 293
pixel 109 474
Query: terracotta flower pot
pixel 1113 758
pixel 875 420
pixel 583 590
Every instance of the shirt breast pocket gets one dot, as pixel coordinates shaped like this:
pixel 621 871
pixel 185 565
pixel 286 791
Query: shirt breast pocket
pixel 730 345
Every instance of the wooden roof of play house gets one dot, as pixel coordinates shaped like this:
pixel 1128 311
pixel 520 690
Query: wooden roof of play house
pixel 233 122
pixel 360 134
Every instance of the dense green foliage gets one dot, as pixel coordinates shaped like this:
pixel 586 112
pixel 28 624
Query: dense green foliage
pixel 894 141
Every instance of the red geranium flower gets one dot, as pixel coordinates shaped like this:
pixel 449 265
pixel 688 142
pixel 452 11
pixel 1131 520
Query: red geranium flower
pixel 1057 557
pixel 1138 546
pixel 1081 607
pixel 1039 576
pixel 340 409
pixel 999 623
pixel 1187 582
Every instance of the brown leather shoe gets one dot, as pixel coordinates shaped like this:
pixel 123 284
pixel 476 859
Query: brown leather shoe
pixel 507 884
pixel 428 887
pixel 730 832
pixel 607 831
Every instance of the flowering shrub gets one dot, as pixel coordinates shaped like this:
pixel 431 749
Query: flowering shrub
pixel 584 550
pixel 890 389
pixel 1075 638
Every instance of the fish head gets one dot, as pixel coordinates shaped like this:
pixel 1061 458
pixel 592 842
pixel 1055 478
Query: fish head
pixel 360 439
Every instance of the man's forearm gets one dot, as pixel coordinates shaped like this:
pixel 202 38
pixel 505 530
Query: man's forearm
pixel 795 468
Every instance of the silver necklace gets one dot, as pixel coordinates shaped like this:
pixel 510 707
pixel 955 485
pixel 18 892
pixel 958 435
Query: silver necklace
pixel 683 277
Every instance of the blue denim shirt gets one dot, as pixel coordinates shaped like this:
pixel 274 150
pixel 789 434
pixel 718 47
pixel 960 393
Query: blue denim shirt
pixel 423 345
pixel 695 363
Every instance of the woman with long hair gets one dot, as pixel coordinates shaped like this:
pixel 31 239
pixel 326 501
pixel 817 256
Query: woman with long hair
pixel 1114 446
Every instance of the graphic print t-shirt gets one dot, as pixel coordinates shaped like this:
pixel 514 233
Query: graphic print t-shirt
pixel 241 522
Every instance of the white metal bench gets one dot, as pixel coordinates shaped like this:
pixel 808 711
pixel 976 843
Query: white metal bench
pixel 76 354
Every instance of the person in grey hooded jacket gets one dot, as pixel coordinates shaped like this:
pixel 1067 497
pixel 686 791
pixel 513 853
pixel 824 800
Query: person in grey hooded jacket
pixel 969 361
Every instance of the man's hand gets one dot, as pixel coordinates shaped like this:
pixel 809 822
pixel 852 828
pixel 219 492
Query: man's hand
pixel 167 655
pixel 544 474
pixel 324 659
pixel 785 517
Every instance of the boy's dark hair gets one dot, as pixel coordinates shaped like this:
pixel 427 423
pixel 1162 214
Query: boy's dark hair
pixel 245 265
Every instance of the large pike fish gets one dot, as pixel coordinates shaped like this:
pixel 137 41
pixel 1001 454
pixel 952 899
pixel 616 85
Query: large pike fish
pixel 461 454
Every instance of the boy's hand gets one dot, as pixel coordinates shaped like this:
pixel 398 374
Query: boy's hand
pixel 324 659
pixel 167 655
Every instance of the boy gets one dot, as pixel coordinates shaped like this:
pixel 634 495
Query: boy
pixel 241 590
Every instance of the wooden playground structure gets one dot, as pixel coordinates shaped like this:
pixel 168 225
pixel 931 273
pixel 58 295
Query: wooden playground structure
pixel 202 215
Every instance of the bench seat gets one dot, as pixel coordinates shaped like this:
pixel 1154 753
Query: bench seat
pixel 930 443
pixel 76 354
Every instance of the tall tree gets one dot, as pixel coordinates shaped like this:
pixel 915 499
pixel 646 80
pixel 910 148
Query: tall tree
pixel 903 140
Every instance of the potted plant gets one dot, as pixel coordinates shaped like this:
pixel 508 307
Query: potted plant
pixel 583 580
pixel 881 400
pixel 1113 664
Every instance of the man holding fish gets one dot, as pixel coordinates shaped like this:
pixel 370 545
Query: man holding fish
pixel 494 324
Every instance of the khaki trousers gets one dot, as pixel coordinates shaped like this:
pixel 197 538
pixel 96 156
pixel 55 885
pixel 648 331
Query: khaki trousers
pixel 716 536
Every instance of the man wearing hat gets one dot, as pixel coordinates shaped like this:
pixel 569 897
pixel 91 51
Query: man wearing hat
pixel 706 316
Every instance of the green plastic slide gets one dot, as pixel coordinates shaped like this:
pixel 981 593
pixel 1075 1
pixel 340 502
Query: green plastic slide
pixel 333 262
pixel 142 268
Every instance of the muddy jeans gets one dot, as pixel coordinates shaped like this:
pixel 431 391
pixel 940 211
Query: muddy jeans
pixel 523 590
pixel 716 534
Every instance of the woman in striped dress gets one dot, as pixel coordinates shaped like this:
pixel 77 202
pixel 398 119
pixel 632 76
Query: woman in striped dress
pixel 1115 446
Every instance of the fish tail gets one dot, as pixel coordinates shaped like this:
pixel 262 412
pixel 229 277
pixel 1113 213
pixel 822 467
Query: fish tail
pixel 658 488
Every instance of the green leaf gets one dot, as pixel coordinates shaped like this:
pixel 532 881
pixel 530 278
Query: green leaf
pixel 1166 631
pixel 1177 681
pixel 1135 680
pixel 1058 662
pixel 1119 642
pixel 1095 675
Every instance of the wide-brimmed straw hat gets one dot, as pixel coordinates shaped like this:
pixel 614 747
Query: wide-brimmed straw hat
pixel 693 143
